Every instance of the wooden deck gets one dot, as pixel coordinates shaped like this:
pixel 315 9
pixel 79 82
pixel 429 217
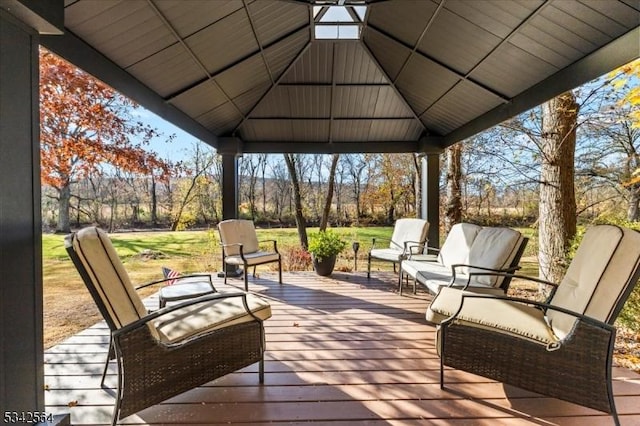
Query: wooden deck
pixel 340 350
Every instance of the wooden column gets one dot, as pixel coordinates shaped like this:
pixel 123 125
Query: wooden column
pixel 231 150
pixel 21 317
pixel 431 195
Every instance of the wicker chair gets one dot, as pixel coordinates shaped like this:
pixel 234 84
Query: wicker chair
pixel 174 349
pixel 409 236
pixel 562 347
pixel 240 247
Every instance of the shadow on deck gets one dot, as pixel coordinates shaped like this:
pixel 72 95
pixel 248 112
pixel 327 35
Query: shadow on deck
pixel 340 349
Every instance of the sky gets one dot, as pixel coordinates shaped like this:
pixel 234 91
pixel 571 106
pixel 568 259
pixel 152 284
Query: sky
pixel 176 150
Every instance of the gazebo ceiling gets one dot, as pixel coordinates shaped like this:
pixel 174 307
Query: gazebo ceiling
pixel 422 74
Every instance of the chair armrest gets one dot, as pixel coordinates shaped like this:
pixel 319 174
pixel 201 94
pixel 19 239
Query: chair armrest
pixel 410 245
pixel 155 314
pixel 275 244
pixel 373 242
pixel 201 275
pixel 488 271
pixel 522 277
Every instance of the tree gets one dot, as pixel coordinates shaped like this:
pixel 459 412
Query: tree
pixel 626 77
pixel 85 124
pixel 201 162
pixel 327 205
pixel 355 165
pixel 293 164
pixel 453 209
pixel 249 168
pixel 613 155
pixel 557 210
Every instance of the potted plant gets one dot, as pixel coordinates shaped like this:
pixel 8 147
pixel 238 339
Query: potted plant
pixel 324 247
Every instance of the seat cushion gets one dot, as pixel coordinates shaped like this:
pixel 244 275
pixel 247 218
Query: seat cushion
pixel 185 289
pixel 412 267
pixel 457 245
pixel 493 248
pixel 408 229
pixel 603 268
pixel 494 314
pixel 433 281
pixel 388 254
pixel 255 258
pixel 238 231
pixel 207 316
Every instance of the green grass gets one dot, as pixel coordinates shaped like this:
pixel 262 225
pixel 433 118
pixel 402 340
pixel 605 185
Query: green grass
pixel 188 243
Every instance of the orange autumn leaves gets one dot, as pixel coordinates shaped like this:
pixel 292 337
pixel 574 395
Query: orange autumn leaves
pixel 85 125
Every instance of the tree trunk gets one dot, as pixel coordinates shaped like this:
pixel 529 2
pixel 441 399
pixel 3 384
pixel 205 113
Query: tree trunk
pixel 633 211
pixel 557 220
pixel 453 208
pixel 301 223
pixel 327 204
pixel 64 205
pixel 154 202
pixel 391 211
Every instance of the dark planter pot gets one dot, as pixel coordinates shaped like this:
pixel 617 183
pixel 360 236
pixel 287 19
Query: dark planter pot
pixel 325 267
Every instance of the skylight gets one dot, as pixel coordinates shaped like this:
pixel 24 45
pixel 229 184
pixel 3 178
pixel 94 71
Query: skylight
pixel 338 22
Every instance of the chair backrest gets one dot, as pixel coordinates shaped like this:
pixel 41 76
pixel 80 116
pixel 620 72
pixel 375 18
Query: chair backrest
pixel 238 231
pixel 104 275
pixel 599 279
pixel 457 245
pixel 409 229
pixel 494 248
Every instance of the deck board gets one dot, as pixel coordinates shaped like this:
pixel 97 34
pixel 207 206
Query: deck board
pixel 340 350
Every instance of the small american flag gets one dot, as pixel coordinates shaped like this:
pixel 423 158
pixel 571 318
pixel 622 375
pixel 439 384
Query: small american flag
pixel 170 273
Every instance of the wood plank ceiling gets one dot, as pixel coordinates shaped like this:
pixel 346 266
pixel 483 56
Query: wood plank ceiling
pixel 421 73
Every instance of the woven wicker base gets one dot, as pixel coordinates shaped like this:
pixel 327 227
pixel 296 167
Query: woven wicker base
pixel 579 371
pixel 153 373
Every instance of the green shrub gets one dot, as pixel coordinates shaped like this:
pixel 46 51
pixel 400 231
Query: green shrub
pixel 323 244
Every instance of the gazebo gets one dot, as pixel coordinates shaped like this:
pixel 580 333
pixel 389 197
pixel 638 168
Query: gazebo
pixel 282 76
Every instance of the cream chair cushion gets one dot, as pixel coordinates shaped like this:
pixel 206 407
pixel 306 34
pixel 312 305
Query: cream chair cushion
pixel 255 258
pixel 97 254
pixel 241 231
pixel 238 231
pixel 493 314
pixel 414 267
pixel 408 229
pixel 489 247
pixel 404 230
pixel 207 316
pixel 456 247
pixel 598 275
pixel 388 254
pixel 493 248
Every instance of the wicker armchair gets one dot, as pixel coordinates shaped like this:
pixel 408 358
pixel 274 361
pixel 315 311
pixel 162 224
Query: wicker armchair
pixel 240 247
pixel 562 347
pixel 409 236
pixel 174 349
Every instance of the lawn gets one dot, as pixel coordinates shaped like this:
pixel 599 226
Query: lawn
pixel 68 307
